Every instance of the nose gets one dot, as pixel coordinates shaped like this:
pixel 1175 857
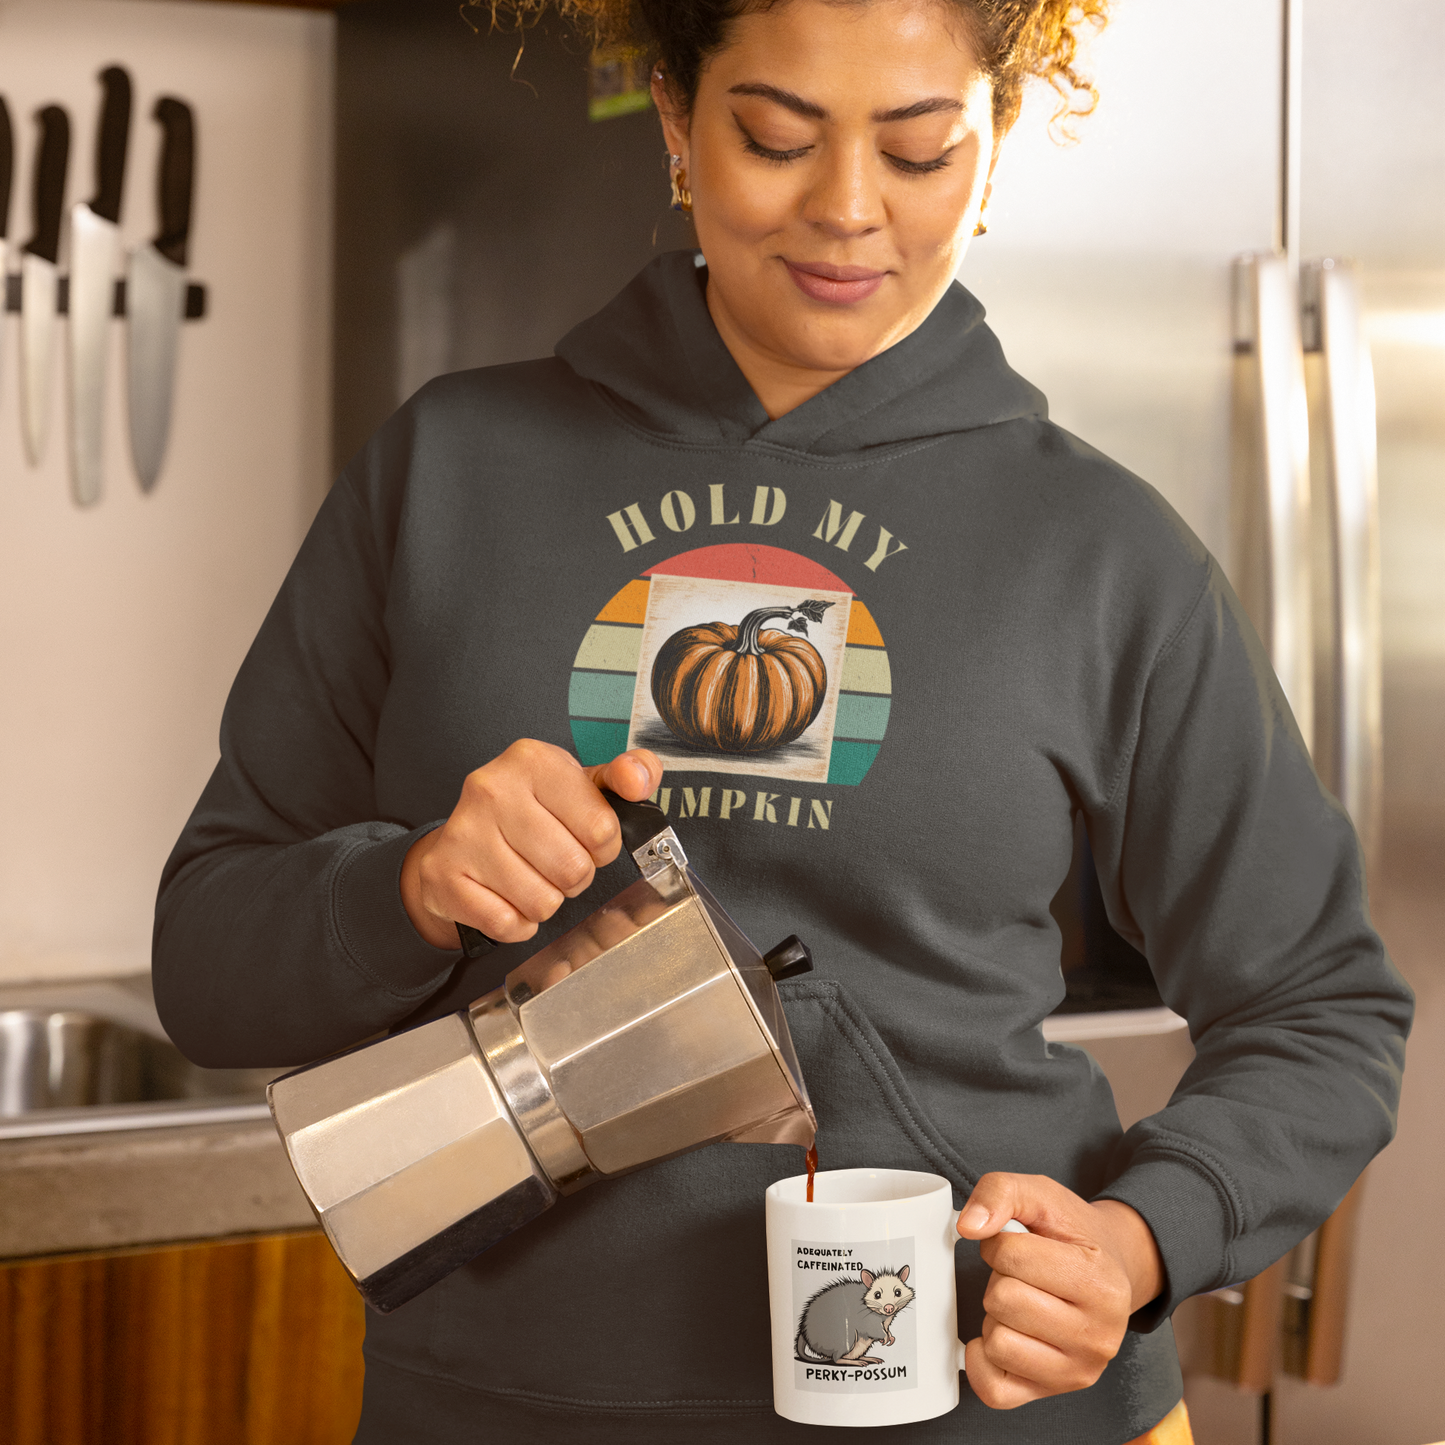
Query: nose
pixel 887 1309
pixel 847 200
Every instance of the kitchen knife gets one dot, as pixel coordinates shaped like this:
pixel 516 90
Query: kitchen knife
pixel 156 295
pixel 94 252
pixel 7 173
pixel 39 279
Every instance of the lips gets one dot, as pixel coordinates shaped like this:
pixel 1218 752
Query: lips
pixel 836 285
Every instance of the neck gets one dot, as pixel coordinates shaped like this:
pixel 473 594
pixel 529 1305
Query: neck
pixel 779 385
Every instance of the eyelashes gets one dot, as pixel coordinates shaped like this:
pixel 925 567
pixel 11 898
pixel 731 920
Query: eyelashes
pixel 777 158
pixel 919 168
pixel 783 158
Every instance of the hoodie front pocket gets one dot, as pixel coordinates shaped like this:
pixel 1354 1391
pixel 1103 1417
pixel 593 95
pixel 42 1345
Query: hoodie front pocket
pixel 648 1294
pixel 867 1115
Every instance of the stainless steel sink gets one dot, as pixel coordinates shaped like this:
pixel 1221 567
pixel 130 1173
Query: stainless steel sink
pixel 91 1057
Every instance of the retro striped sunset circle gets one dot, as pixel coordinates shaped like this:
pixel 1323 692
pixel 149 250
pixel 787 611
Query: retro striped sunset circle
pixel 604 672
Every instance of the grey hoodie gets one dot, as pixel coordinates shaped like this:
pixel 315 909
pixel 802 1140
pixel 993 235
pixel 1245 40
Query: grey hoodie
pixel 1017 632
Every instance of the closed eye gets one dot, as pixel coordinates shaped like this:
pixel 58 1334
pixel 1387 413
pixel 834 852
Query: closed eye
pixel 756 148
pixel 920 168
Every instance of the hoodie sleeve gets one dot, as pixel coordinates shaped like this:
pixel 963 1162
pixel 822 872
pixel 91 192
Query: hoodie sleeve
pixel 280 934
pixel 1227 864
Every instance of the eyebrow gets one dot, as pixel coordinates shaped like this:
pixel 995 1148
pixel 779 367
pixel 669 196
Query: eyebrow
pixel 811 110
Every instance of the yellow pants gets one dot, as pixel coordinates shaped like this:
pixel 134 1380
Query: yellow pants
pixel 1173 1429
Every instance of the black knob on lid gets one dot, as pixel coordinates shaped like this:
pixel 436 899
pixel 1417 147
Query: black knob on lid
pixel 789 959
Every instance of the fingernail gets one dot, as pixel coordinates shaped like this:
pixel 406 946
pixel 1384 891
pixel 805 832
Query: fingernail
pixel 974 1217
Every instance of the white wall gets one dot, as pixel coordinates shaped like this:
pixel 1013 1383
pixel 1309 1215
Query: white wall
pixel 121 626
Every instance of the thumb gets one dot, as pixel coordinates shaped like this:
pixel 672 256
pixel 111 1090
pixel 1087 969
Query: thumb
pixel 1016 1203
pixel 633 775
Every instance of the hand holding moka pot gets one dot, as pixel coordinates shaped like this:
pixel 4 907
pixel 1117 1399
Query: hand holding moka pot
pixel 652 1028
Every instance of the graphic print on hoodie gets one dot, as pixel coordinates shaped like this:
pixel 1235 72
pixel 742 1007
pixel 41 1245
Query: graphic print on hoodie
pixel 659 668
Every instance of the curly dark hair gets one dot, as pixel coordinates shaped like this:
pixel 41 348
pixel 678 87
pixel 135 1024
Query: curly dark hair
pixel 1016 40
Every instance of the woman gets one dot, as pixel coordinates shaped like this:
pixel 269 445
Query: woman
pixel 1013 631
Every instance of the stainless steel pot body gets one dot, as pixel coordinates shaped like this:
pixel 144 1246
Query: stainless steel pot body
pixel 652 1028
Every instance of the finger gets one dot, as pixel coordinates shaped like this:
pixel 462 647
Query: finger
pixel 996 1387
pixel 1088 1330
pixel 1036 1366
pixel 633 775
pixel 1035 1311
pixel 452 873
pixel 513 878
pixel 1042 1205
pixel 1080 1273
pixel 480 907
pixel 547 846
pixel 569 793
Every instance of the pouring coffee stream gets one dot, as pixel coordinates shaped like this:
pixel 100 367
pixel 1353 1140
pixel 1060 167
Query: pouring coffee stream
pixel 652 1028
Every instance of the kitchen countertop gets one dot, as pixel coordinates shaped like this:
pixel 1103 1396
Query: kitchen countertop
pixel 109 1177
pixel 64 1194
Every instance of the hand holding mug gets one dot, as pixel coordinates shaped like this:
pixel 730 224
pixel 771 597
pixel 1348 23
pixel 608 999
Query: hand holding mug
pixel 1060 1296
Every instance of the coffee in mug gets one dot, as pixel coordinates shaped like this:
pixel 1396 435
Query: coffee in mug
pixel 863 1298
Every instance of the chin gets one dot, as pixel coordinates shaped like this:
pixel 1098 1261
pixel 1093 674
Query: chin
pixel 838 352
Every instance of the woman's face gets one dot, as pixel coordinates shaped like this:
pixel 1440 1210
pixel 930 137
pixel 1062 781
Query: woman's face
pixel 838 156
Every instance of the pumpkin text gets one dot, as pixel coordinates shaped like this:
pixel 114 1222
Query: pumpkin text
pixel 733 802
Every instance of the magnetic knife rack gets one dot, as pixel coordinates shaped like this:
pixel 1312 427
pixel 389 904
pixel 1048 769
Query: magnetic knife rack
pixel 196 297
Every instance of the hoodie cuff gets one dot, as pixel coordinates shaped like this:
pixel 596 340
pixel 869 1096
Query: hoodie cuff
pixel 373 924
pixel 1192 1221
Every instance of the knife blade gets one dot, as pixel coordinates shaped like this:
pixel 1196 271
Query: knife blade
pixel 39 279
pixel 94 252
pixel 156 295
pixel 7 174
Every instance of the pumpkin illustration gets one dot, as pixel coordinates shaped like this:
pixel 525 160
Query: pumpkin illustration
pixel 741 689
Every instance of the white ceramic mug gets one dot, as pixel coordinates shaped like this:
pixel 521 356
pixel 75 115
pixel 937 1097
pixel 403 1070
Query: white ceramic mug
pixel 863 1298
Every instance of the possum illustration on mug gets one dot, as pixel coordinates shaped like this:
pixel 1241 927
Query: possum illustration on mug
pixel 844 1320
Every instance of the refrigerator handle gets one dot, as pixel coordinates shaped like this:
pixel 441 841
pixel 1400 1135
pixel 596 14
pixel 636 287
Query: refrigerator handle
pixel 1272 487
pixel 1332 320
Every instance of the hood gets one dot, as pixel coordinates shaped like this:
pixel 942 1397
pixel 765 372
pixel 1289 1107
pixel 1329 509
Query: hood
pixel 655 349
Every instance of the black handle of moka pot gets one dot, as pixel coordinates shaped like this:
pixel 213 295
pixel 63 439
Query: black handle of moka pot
pixel 640 822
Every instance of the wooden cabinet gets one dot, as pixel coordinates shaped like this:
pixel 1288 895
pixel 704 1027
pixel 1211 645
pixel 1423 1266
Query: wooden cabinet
pixel 253 1341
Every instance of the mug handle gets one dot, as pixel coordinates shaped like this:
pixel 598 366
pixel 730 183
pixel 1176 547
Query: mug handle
pixel 1012 1227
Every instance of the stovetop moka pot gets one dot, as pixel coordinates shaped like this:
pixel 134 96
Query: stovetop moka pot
pixel 650 1029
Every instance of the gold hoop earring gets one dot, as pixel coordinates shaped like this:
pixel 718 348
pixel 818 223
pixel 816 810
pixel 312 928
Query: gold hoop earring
pixel 681 195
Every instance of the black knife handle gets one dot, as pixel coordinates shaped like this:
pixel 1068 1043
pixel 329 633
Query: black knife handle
pixel 50 182
pixel 176 178
pixel 110 143
pixel 7 167
pixel 640 823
